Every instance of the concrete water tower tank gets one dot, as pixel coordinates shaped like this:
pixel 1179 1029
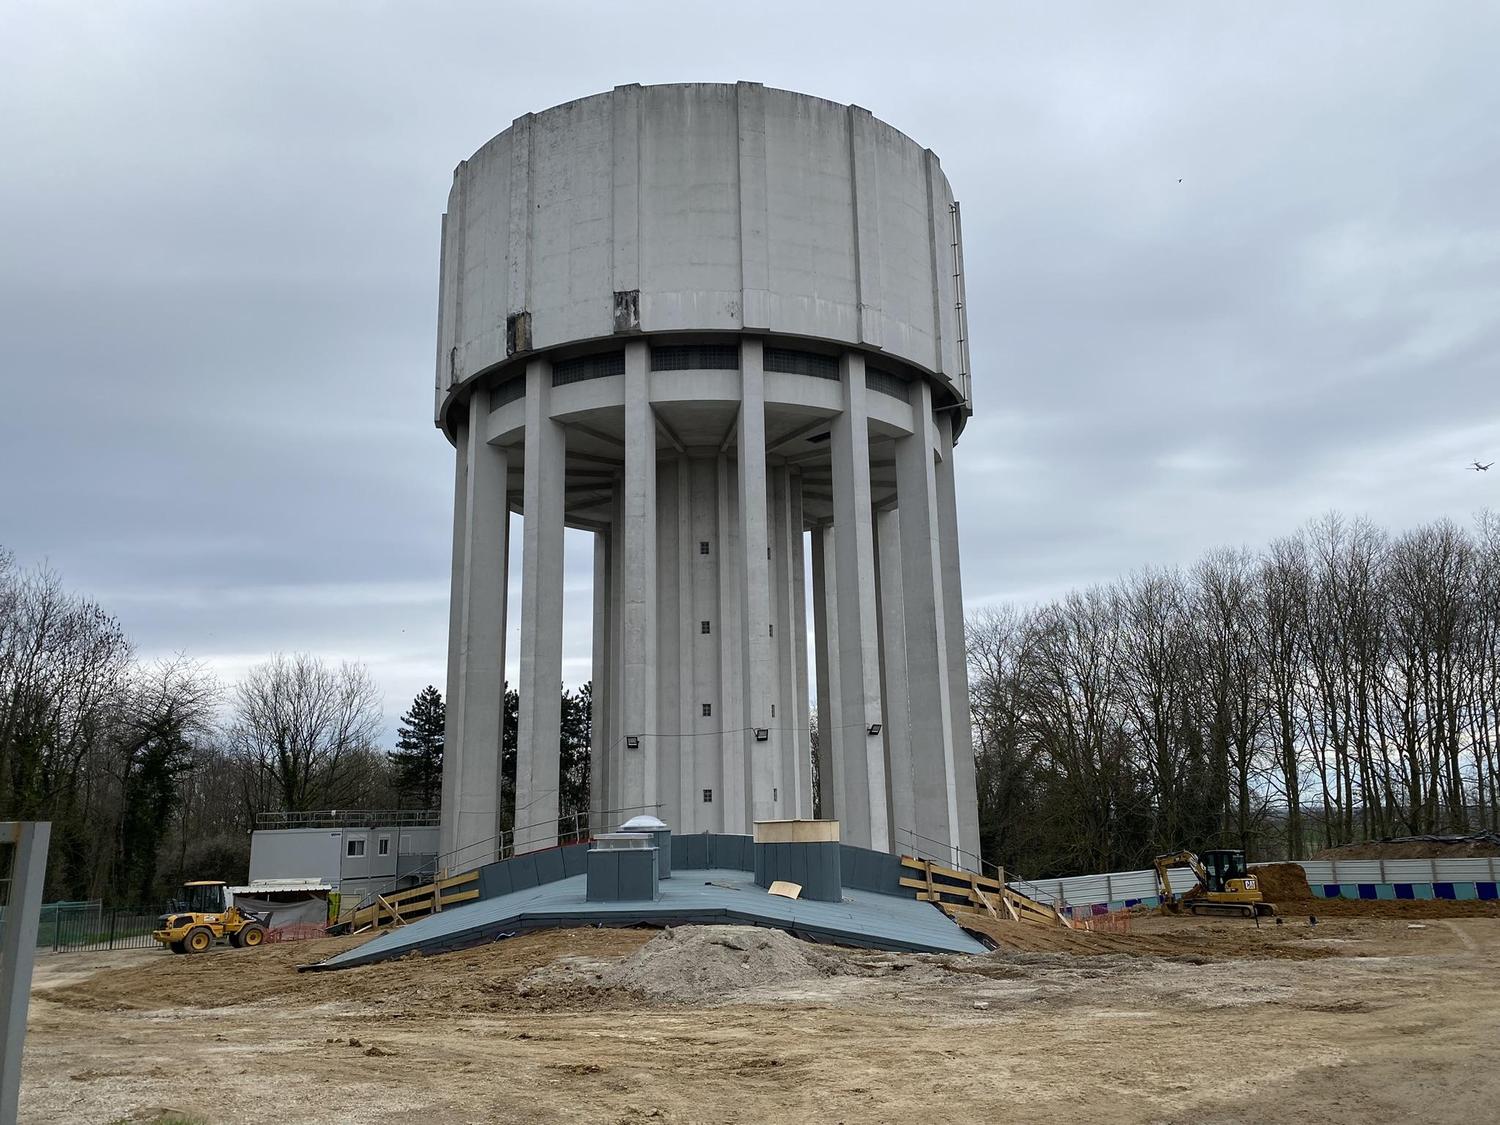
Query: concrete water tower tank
pixel 706 322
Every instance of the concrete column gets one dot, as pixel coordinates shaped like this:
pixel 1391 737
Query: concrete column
pixel 471 809
pixel 707 683
pixel 638 536
pixel 930 696
pixel 826 657
pixel 668 743
pixel 894 680
pixel 540 685
pixel 615 748
pixel 958 670
pixel 735 797
pixel 755 612
pixel 863 816
pixel 689 707
pixel 798 703
pixel 599 737
pixel 453 737
pixel 790 638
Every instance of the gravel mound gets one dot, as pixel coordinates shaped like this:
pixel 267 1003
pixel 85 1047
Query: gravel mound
pixel 708 964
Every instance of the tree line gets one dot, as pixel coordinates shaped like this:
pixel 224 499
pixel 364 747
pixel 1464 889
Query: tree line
pixel 153 772
pixel 1341 684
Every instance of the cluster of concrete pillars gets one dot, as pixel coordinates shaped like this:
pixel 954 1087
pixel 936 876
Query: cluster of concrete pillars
pixel 700 598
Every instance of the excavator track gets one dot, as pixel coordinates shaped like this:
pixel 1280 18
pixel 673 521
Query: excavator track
pixel 1221 910
pixel 1230 909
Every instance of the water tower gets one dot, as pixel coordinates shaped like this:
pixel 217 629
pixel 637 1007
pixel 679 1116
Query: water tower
pixel 708 323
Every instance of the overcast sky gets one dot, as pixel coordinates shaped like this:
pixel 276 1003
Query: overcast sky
pixel 1229 266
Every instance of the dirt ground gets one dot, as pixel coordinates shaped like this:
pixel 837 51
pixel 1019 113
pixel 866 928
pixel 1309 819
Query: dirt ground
pixel 1181 1020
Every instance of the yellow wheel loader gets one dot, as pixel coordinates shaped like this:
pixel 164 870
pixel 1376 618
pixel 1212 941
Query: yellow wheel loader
pixel 206 916
pixel 1225 886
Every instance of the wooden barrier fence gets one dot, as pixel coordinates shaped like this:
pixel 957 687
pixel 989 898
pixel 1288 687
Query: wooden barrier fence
pixel 405 906
pixel 965 896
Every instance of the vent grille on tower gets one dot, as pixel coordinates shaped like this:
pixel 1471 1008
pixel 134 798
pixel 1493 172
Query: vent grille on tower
pixel 887 384
pixel 508 391
pixel 791 362
pixel 587 367
pixel 696 357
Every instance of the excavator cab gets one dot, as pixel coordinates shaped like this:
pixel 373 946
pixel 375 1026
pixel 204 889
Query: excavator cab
pixel 1221 866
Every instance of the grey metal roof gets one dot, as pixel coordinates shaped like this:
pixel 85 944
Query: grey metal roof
pixel 714 896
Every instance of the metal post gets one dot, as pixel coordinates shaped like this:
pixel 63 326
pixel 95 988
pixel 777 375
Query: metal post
pixel 18 950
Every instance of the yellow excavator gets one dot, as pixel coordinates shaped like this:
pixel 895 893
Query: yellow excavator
pixel 205 916
pixel 1225 886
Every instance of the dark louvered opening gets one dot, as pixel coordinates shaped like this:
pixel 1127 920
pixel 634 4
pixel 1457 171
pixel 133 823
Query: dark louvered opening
pixel 508 391
pixel 792 362
pixel 887 383
pixel 587 367
pixel 696 357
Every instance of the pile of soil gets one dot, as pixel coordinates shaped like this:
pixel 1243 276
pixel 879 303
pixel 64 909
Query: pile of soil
pixel 1388 908
pixel 1415 847
pixel 709 964
pixel 1285 884
pixel 1282 882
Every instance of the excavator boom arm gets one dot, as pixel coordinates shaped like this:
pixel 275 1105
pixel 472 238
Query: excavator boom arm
pixel 1184 858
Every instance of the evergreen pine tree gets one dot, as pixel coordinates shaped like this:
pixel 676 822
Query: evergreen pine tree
pixel 574 752
pixel 418 757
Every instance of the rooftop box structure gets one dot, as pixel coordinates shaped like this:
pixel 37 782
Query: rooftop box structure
pixel 805 852
pixel 661 834
pixel 622 868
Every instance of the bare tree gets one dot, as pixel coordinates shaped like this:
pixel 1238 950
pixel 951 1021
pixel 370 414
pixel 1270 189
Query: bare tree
pixel 1285 582
pixel 1229 672
pixel 306 730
